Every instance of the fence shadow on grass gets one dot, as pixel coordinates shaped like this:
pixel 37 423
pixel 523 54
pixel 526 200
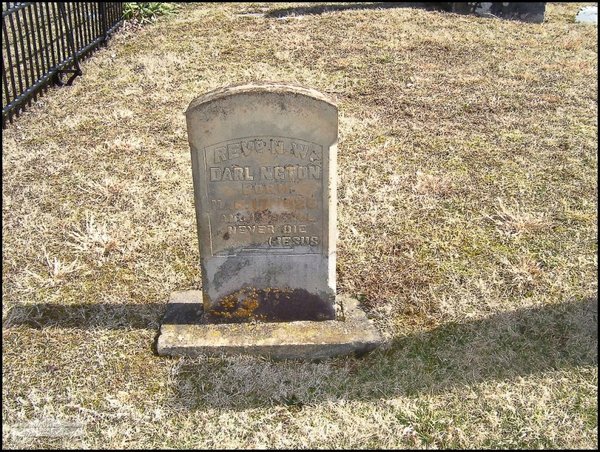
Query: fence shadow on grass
pixel 502 347
pixel 108 316
pixel 320 9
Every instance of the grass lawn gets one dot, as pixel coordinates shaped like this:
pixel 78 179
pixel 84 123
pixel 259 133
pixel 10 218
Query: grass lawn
pixel 467 218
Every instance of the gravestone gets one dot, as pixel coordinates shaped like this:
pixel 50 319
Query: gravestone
pixel 264 164
pixel 264 172
pixel 521 11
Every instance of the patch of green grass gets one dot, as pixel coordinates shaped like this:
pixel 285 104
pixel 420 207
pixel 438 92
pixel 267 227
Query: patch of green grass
pixel 146 12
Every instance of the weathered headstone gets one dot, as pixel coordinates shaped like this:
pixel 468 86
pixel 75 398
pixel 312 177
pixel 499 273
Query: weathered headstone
pixel 522 11
pixel 264 161
pixel 264 170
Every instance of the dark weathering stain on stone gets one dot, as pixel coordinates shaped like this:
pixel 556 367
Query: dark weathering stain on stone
pixel 270 305
pixel 229 270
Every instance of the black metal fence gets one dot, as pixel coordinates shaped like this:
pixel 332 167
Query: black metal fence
pixel 43 43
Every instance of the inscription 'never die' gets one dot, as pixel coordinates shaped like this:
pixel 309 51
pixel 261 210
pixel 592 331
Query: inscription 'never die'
pixel 266 194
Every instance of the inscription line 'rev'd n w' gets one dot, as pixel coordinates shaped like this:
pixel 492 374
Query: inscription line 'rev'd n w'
pixel 256 137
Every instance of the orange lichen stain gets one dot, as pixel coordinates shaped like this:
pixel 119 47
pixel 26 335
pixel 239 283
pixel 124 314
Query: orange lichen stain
pixel 238 305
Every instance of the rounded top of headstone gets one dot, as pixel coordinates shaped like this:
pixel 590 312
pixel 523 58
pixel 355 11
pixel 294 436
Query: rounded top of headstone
pixel 258 88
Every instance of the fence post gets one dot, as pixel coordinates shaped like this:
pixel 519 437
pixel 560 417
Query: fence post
pixel 69 35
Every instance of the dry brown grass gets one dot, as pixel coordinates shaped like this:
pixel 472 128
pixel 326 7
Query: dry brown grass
pixel 467 224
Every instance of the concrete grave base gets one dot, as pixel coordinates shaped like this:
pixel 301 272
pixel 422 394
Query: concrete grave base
pixel 184 333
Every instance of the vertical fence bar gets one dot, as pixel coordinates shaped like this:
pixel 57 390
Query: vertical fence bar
pixel 103 28
pixel 7 96
pixel 97 19
pixel 40 39
pixel 68 28
pixel 68 20
pixel 111 14
pixel 86 22
pixel 73 23
pixel 41 25
pixel 117 12
pixel 6 92
pixel 60 42
pixel 80 25
pixel 50 36
pixel 77 29
pixel 24 44
pixel 9 60
pixel 27 62
pixel 34 35
pixel 17 53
